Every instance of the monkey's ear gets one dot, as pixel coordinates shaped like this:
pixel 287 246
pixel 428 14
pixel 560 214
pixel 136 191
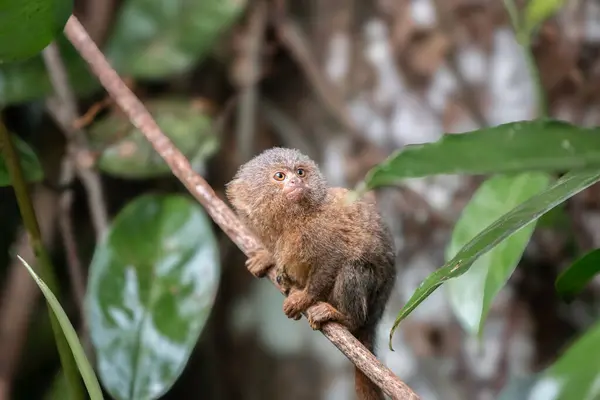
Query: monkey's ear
pixel 235 192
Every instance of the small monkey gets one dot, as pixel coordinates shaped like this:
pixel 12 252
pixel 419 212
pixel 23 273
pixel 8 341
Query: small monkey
pixel 334 254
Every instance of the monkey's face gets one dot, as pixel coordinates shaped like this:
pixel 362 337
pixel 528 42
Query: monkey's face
pixel 293 183
pixel 277 181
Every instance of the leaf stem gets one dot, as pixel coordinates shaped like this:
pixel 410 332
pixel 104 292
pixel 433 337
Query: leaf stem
pixel 47 271
pixel 524 39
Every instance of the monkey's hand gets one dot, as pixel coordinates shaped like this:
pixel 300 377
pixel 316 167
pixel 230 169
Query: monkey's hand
pixel 259 262
pixel 296 303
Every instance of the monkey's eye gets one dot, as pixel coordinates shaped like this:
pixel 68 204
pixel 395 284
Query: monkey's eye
pixel 300 172
pixel 279 176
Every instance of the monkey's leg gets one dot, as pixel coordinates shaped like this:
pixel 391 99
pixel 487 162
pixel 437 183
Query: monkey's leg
pixel 319 285
pixel 351 294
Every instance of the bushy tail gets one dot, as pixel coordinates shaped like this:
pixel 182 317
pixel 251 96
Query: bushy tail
pixel 365 388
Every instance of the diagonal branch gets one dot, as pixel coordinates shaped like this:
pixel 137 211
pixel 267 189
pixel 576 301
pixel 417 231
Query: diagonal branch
pixel 216 208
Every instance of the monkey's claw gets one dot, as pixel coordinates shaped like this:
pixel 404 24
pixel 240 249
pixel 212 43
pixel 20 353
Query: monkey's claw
pixel 296 303
pixel 259 262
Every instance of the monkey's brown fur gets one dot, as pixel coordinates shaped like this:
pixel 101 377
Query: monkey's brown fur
pixel 330 252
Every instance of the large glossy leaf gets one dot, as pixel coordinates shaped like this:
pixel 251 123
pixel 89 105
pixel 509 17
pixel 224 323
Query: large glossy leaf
pixel 152 283
pixel 472 293
pixel 32 169
pixel 126 153
pixel 537 11
pixel 576 373
pixel 28 80
pixel 27 26
pixel 572 280
pixel 85 369
pixel 514 147
pixel 156 38
pixel 505 226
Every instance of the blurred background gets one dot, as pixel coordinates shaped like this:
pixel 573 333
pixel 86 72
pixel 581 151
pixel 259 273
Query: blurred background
pixel 347 82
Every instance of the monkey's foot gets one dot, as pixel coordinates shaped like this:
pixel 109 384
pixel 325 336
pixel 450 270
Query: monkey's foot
pixel 259 262
pixel 323 312
pixel 296 303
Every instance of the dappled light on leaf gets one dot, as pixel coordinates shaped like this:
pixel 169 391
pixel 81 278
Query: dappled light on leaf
pixel 126 153
pixel 154 39
pixel 152 283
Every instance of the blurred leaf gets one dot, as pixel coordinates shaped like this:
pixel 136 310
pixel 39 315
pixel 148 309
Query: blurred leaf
pixel 557 218
pixel 152 283
pixel 32 169
pixel 518 218
pixel 576 373
pixel 157 38
pixel 26 27
pixel 85 369
pixel 572 280
pixel 59 389
pixel 537 11
pixel 472 293
pixel 519 388
pixel 514 147
pixel 28 80
pixel 129 155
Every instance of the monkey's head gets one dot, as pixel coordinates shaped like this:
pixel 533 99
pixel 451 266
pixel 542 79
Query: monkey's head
pixel 277 180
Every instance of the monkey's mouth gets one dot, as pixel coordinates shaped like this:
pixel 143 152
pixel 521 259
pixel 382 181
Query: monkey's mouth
pixel 294 194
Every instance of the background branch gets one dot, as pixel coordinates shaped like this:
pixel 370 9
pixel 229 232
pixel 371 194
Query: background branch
pixel 216 208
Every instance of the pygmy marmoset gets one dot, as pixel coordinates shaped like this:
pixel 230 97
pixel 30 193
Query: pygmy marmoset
pixel 334 254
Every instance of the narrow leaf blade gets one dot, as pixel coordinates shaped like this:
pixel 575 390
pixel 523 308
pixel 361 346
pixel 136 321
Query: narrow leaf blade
pixel 540 145
pixel 510 223
pixel 537 11
pixel 472 293
pixel 572 281
pixel 30 164
pixel 85 369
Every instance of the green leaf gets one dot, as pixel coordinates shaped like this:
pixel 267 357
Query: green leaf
pixel 155 38
pixel 59 389
pixel 28 80
pixel 27 26
pixel 32 169
pixel 152 284
pixel 85 369
pixel 545 145
pixel 127 154
pixel 572 280
pixel 537 11
pixel 576 373
pixel 518 218
pixel 472 293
